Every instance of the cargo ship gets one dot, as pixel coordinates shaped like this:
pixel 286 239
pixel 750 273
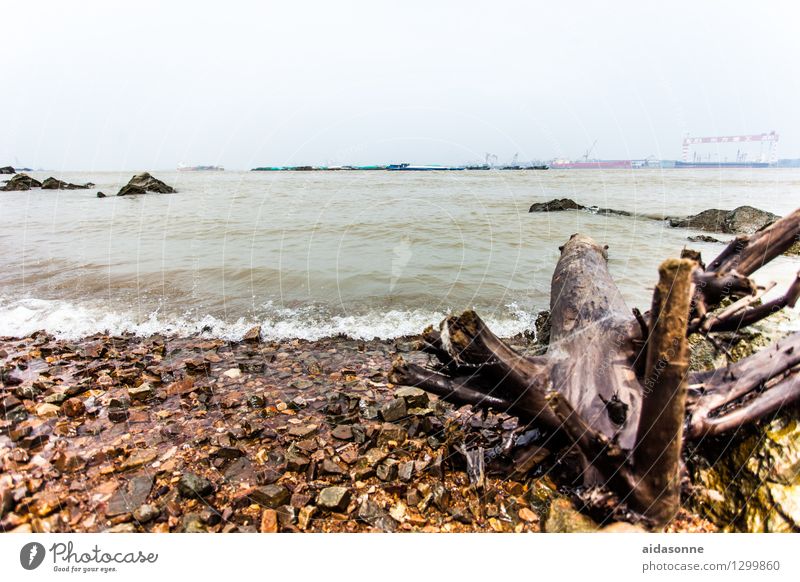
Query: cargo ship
pixel 182 168
pixel 591 165
pixel 679 164
pixel 413 168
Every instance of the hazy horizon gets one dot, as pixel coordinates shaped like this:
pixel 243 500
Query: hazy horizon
pixel 104 86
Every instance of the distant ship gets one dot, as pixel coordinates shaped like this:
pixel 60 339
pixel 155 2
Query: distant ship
pixel 182 168
pixel 722 164
pixel 412 168
pixel 591 165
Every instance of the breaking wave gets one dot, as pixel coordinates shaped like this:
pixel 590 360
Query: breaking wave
pixel 67 320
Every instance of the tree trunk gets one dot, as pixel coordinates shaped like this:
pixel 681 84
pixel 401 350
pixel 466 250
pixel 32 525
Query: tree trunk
pixel 614 383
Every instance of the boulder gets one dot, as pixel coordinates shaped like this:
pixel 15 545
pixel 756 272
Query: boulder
pixel 143 183
pixel 54 184
pixel 21 182
pixel 556 205
pixel 741 220
pixel 7 170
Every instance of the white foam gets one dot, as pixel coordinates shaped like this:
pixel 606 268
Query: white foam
pixel 68 320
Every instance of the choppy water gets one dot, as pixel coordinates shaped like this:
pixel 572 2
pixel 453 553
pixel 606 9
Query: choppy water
pixel 359 253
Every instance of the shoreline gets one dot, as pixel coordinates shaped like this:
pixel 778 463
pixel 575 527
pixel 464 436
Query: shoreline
pixel 122 433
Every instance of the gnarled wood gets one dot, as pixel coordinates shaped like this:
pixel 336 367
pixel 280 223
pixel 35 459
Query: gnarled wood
pixel 615 385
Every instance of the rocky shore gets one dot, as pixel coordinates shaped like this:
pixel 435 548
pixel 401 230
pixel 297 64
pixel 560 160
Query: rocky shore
pixel 164 434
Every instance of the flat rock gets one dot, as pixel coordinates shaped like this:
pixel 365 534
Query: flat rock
pixel 741 220
pixel 130 496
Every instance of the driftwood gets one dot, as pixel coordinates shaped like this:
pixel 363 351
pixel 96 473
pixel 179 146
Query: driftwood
pixel 614 384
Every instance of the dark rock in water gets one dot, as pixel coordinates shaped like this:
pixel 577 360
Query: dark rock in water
pixel 334 499
pixel 101 195
pixel 131 496
pixel 54 184
pixel 741 220
pixel 703 238
pixel 556 205
pixel 143 183
pixel 21 182
pixel 192 485
pixel 7 170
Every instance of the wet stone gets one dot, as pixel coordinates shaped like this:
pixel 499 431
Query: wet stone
pixel 146 513
pixel 413 397
pixel 329 467
pixel 57 397
pixel 142 392
pixel 130 496
pixel 342 432
pixel 73 407
pixel 303 430
pixel 191 485
pixel 192 523
pixel 296 462
pixel 371 513
pixel 387 471
pixel 334 499
pixel 393 410
pixel 269 521
pixel 405 471
pixel 253 335
pixel 270 496
pixel 391 433
pixel 287 516
pixel 305 516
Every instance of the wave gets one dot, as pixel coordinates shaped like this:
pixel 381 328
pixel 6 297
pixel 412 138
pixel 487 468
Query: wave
pixel 68 320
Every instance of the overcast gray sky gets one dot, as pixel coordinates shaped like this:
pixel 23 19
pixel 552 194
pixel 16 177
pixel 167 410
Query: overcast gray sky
pixel 130 85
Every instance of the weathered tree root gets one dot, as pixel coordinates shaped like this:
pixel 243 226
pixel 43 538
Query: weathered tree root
pixel 615 382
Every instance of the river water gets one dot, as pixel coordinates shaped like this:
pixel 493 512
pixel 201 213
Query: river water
pixel 365 254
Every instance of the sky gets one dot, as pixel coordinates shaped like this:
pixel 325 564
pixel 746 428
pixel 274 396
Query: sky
pixel 114 85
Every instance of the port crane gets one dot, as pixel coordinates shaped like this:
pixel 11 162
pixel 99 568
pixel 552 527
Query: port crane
pixel 589 152
pixel 771 138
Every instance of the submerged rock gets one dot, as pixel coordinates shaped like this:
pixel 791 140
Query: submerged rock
pixel 21 182
pixel 54 184
pixel 556 205
pixel 741 220
pixel 703 238
pixel 143 183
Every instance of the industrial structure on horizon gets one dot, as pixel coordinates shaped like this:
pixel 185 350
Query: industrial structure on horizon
pixel 690 158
